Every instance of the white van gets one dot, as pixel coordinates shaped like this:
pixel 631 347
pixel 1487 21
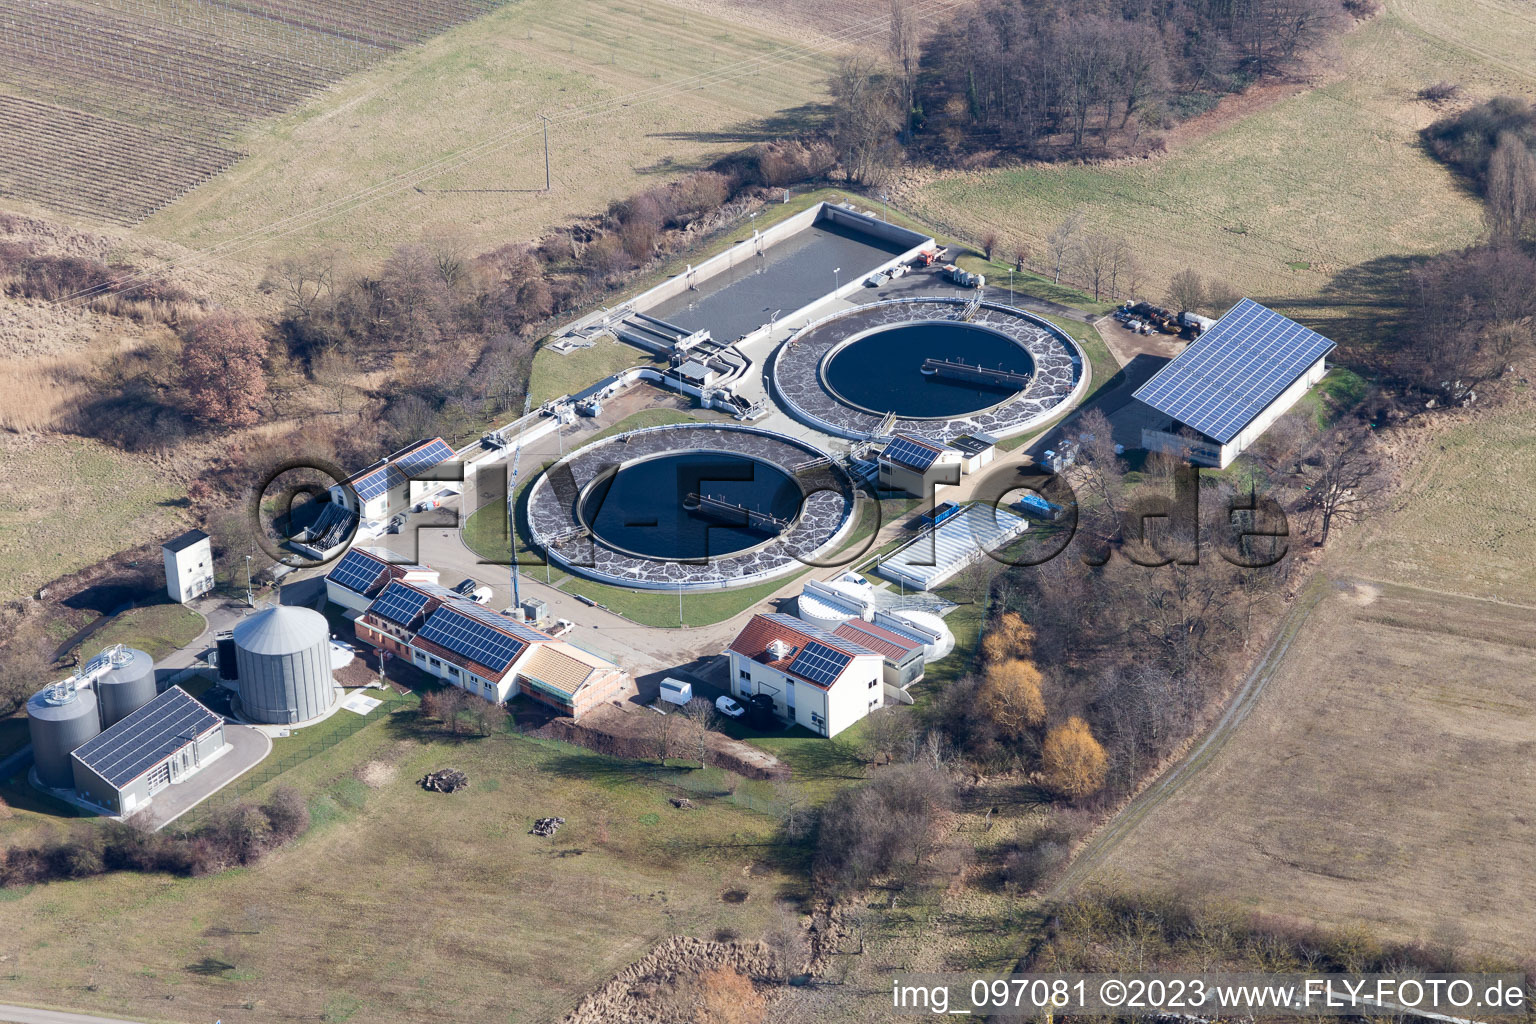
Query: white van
pixel 675 691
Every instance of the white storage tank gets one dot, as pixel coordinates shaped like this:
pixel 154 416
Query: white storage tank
pixel 127 684
pixel 938 640
pixel 60 719
pixel 829 605
pixel 284 661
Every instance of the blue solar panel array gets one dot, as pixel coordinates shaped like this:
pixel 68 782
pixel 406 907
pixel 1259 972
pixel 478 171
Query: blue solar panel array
pixel 458 629
pixel 1236 368
pixel 399 604
pixel 500 621
pixel 819 663
pixel 376 483
pixel 148 736
pixel 910 451
pixel 425 457
pixel 358 571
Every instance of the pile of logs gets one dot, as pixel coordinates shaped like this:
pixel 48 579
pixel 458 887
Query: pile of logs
pixel 546 826
pixel 444 780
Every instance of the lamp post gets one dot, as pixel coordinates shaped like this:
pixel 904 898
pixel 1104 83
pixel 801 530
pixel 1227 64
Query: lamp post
pixel 836 280
pixel 883 200
pixel 250 598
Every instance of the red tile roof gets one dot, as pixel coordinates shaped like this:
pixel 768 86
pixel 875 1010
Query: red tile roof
pixel 882 641
pixel 766 627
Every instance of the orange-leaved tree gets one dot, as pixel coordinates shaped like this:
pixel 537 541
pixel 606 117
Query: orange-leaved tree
pixel 1072 760
pixel 1010 695
pixel 1009 637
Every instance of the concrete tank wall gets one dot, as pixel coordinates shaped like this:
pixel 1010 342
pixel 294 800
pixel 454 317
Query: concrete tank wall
pixel 284 688
pixel 125 688
pixel 57 730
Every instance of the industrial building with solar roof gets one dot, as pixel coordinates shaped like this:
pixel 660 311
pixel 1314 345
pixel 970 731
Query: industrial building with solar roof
pixel 816 678
pixel 164 742
pixel 1222 392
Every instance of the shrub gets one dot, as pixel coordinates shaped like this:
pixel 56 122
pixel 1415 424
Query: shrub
pixel 1072 760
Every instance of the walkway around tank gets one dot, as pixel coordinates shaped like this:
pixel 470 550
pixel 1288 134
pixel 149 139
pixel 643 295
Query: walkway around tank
pixel 248 747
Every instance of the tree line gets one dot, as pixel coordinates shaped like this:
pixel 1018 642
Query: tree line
pixel 237 835
pixel 1075 78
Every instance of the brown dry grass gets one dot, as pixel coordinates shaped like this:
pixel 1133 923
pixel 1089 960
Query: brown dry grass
pixel 1386 775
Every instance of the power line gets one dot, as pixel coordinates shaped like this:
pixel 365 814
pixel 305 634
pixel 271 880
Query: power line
pixel 443 164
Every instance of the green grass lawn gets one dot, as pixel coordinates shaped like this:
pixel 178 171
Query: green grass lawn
pixel 485 530
pixel 660 607
pixel 495 917
pixel 555 374
pixel 157 630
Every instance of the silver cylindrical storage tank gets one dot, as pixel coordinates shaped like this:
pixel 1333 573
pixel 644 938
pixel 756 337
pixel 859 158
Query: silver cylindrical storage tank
pixel 284 658
pixel 60 719
pixel 127 686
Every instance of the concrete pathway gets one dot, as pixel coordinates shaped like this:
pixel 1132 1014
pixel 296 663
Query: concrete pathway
pixel 248 748
pixel 30 1015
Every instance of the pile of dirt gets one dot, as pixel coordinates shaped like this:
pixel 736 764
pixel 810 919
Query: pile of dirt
pixel 637 734
pixel 546 826
pixel 444 780
pixel 643 992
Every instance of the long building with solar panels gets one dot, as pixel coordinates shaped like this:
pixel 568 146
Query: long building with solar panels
pixel 1232 383
pixel 390 485
pixel 483 652
pixel 165 742
pixel 816 678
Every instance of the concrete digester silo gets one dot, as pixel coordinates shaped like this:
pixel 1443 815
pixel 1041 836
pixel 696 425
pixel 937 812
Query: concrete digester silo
pixel 284 661
pixel 127 684
pixel 60 718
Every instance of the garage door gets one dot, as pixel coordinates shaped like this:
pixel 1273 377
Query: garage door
pixel 160 777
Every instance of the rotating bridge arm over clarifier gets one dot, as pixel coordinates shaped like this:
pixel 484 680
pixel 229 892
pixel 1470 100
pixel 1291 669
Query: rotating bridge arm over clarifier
pixel 957 369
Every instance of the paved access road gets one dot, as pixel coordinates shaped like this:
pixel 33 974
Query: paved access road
pixel 28 1015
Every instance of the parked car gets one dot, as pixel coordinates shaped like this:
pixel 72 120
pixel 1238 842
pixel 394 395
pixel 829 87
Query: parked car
pixel 476 592
pixel 562 627
pixel 729 708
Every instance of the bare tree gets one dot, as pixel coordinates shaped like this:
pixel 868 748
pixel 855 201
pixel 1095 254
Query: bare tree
pixel 1510 206
pixel 303 281
pixel 1350 481
pixel 1061 243
pixel 1220 297
pixel 336 374
pixel 905 49
pixel 865 121
pixel 1099 258
pixel 1186 291
pixel 702 718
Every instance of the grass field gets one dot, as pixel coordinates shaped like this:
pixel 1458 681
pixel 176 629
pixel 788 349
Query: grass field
pixel 403 905
pixel 1385 775
pixel 479 81
pixel 156 629
pixel 555 374
pixel 1327 179
pixel 72 502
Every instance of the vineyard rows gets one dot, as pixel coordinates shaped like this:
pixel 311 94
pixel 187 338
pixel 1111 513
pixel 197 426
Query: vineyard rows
pixel 161 86
pixel 80 164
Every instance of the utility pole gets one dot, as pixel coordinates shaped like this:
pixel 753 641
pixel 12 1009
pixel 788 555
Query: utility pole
pixel 517 457
pixel 546 151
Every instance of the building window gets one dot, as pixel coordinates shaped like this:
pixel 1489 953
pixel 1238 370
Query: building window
pixel 746 673
pixel 453 671
pixel 872 683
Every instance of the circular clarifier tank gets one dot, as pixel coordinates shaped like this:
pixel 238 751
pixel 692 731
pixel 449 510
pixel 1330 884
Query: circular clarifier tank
pixel 690 505
pixel 882 370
